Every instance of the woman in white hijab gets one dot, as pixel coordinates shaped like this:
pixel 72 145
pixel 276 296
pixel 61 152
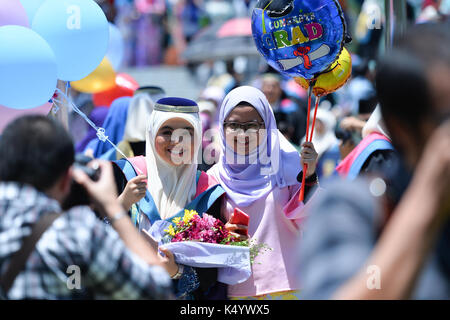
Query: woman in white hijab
pixel 161 185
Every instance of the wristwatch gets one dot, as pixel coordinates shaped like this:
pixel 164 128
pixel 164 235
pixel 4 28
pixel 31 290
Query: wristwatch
pixel 310 181
pixel 117 216
pixel 179 272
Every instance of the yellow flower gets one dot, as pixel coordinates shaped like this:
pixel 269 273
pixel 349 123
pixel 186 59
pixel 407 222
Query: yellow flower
pixel 176 220
pixel 188 215
pixel 170 231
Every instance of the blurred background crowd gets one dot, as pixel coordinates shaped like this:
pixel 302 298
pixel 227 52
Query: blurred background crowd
pixel 389 120
pixel 201 49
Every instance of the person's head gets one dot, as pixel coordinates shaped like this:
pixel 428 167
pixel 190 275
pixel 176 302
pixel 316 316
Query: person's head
pixel 172 152
pixel 141 106
pixel 413 86
pixel 325 122
pixel 214 94
pixel 285 126
pixel 174 142
pixel 175 137
pixel 255 155
pixel 154 92
pixel 207 107
pixel 242 128
pixel 37 151
pixel 271 87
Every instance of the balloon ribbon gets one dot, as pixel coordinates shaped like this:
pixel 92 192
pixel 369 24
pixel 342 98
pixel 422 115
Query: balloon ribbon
pixel 308 136
pixel 101 134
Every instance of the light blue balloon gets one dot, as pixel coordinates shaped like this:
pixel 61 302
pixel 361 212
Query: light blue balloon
pixel 31 7
pixel 27 68
pixel 78 33
pixel 116 47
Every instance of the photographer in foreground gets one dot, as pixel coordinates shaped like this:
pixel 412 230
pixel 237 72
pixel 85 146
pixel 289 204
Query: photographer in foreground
pixel 77 256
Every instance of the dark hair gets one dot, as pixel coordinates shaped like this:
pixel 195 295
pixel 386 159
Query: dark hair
pixel 245 104
pixel 401 81
pixel 35 150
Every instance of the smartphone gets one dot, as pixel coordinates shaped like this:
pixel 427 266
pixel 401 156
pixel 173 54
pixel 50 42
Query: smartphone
pixel 150 239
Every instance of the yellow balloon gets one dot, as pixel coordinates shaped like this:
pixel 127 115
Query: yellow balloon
pixel 332 79
pixel 101 79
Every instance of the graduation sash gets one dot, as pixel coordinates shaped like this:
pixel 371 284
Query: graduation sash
pixel 352 164
pixel 208 191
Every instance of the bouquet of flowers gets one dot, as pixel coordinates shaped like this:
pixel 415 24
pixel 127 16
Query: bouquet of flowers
pixel 204 229
pixel 205 242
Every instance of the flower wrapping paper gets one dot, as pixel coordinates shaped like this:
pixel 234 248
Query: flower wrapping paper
pixel 233 262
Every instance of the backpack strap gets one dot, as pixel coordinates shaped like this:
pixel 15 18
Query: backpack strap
pixel 19 259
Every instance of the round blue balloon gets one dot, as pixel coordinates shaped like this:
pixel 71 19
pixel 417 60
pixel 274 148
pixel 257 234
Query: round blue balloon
pixel 31 7
pixel 116 47
pixel 27 68
pixel 300 38
pixel 78 33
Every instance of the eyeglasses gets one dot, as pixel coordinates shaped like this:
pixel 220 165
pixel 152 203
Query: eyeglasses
pixel 252 126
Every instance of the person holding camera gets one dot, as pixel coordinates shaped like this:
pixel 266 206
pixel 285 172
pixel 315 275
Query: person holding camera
pixel 46 253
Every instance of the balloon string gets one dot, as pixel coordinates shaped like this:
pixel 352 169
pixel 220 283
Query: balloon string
pixel 314 119
pixel 263 23
pixel 309 111
pixel 101 134
pixel 305 166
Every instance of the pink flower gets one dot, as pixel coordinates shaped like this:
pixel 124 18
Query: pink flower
pixel 205 229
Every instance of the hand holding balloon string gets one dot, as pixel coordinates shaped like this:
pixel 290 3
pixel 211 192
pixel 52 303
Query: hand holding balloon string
pixel 308 136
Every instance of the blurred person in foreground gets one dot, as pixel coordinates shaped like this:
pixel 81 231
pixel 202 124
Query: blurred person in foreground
pixel 389 238
pixel 36 174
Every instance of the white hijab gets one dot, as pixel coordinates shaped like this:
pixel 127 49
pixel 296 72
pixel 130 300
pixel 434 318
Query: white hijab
pixel 375 124
pixel 141 105
pixel 323 142
pixel 171 187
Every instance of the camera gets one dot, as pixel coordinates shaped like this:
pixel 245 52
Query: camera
pixel 78 195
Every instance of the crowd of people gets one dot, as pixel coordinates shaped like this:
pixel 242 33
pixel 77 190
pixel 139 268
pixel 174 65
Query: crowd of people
pixel 374 222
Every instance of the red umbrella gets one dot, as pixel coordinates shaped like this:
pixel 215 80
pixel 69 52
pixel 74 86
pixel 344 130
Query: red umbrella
pixel 237 27
pixel 223 40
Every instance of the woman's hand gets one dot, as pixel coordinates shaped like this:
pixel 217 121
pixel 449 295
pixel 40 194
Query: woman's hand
pixel 169 262
pixel 237 230
pixel 309 156
pixel 134 191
